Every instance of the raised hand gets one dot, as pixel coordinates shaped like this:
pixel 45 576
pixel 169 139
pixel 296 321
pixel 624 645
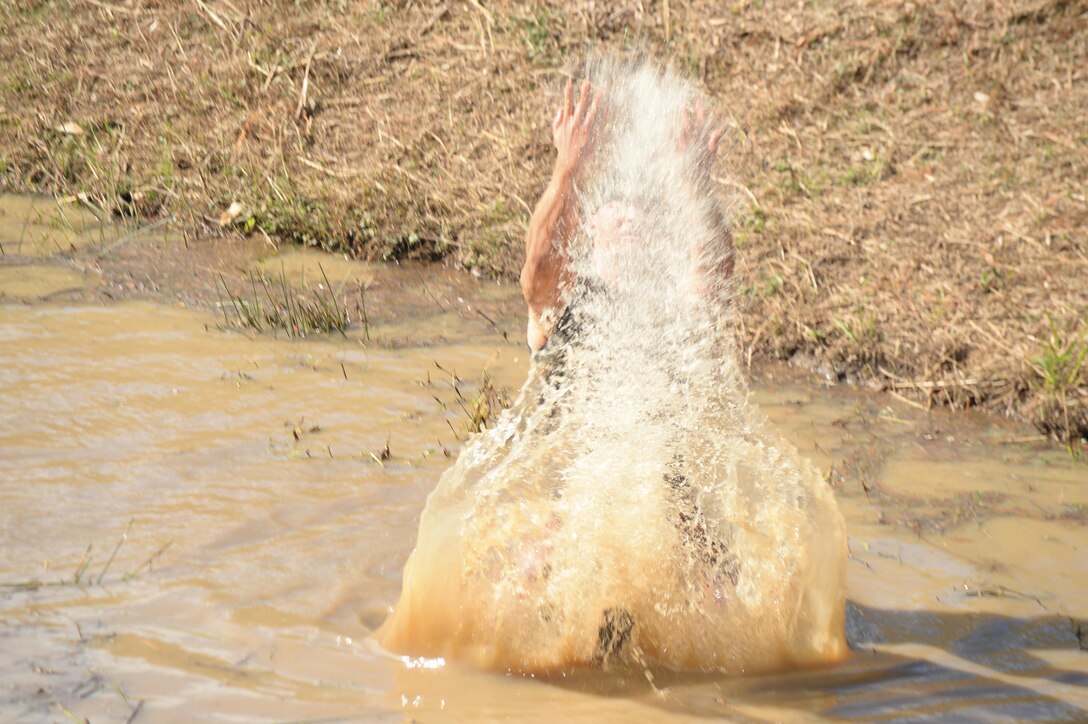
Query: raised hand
pixel 698 136
pixel 574 126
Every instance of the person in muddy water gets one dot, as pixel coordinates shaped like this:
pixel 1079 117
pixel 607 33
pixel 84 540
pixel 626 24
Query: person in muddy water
pixel 553 289
pixel 547 278
pixel 630 507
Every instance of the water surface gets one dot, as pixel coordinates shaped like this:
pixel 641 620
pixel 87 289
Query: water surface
pixel 267 528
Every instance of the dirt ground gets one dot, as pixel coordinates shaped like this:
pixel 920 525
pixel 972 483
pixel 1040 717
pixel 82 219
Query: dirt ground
pixel 908 178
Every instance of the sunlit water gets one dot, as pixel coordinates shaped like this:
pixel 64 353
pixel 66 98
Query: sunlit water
pixel 267 532
pixel 285 554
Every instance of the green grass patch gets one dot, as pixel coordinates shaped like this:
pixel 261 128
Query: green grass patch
pixel 271 305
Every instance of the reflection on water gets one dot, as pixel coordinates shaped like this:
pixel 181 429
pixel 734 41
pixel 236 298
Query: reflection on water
pixel 254 458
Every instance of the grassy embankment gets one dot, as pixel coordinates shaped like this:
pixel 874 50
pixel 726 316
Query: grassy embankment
pixel 909 178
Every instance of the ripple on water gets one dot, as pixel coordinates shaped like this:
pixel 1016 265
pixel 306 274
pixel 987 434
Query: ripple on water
pixel 283 558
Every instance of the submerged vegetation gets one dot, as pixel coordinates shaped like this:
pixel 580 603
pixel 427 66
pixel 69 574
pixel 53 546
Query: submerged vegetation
pixel 271 305
pixel 908 179
pixel 478 410
pixel 83 576
pixel 482 409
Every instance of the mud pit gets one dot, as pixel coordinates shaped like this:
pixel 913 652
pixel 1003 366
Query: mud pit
pixel 967 536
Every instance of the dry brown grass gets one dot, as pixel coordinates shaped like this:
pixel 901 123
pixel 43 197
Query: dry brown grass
pixel 910 176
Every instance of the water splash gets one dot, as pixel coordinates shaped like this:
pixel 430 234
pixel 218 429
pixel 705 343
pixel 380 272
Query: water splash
pixel 632 506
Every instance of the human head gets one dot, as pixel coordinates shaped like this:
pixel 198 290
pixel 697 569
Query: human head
pixel 613 231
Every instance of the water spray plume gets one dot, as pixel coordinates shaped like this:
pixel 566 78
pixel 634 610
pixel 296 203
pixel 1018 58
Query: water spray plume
pixel 632 506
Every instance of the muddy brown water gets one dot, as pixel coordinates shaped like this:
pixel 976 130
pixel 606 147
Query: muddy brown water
pixel 267 529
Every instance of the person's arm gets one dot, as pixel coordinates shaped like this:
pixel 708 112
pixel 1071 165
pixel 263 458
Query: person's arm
pixel 547 265
pixel 713 263
pixel 712 258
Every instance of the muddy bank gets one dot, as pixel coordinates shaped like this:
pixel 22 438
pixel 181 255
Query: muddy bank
pixel 908 179
pixel 64 253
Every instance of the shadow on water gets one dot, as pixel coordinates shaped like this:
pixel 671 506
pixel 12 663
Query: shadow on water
pixel 906 666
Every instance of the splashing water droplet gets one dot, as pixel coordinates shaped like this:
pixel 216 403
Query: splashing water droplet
pixel 632 506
